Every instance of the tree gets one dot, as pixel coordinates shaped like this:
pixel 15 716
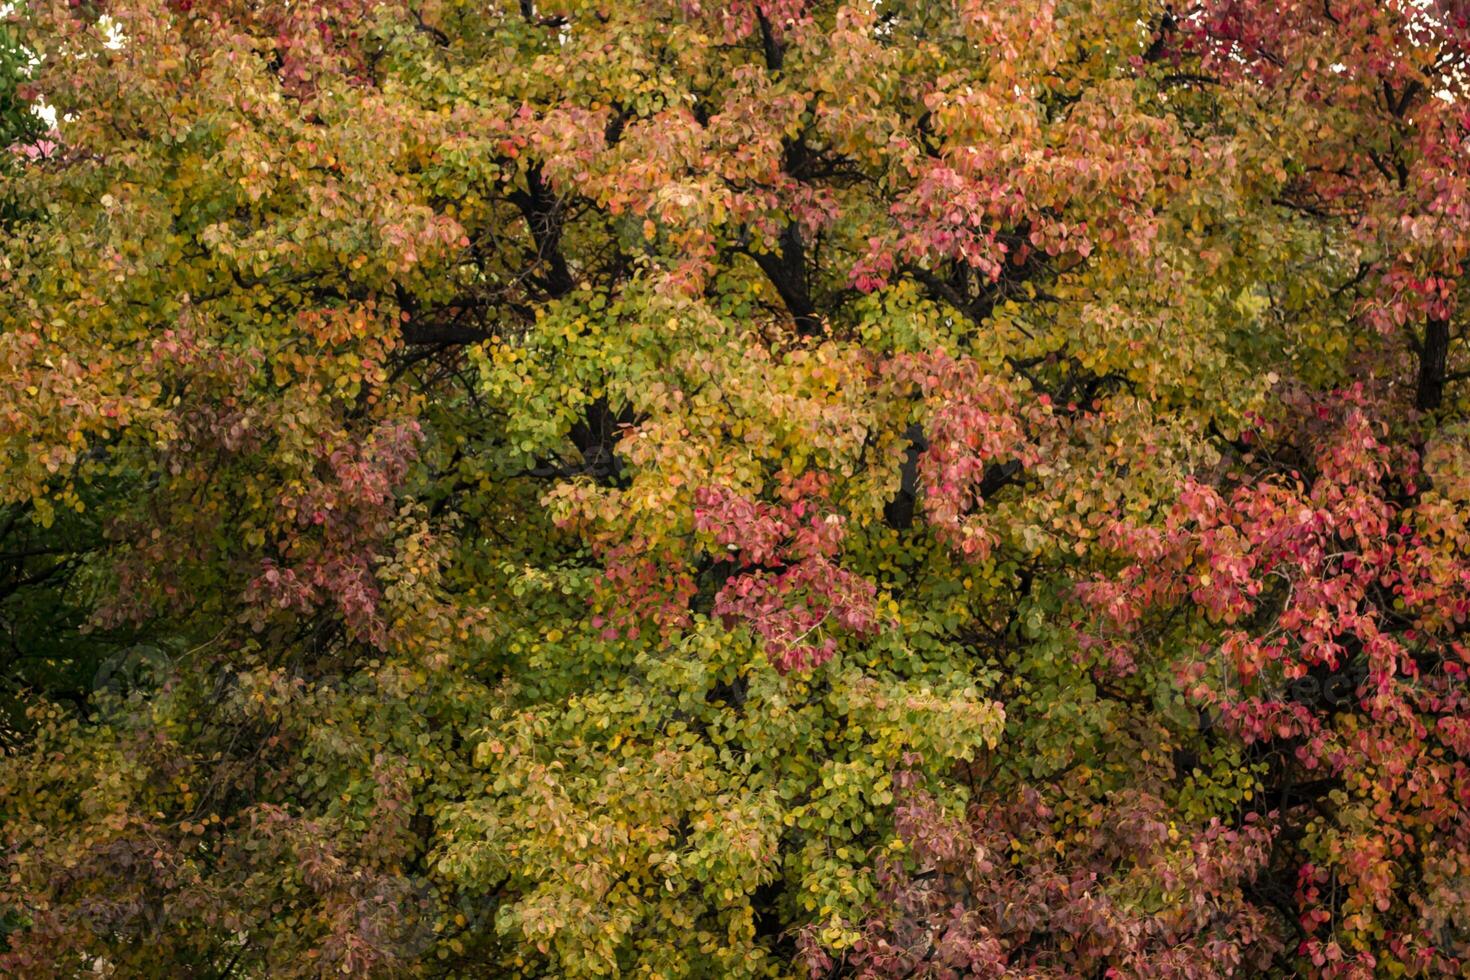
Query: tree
pixel 742 488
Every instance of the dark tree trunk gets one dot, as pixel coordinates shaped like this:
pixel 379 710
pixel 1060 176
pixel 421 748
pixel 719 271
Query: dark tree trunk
pixel 1433 365
pixel 786 270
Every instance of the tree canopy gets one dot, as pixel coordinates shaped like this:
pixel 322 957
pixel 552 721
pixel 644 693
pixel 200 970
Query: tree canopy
pixel 734 488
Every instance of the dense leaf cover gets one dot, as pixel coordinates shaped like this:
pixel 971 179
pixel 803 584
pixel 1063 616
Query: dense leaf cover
pixel 721 488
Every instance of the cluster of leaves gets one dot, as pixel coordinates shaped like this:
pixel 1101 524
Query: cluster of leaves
pixel 1337 593
pixel 734 488
pixel 1003 893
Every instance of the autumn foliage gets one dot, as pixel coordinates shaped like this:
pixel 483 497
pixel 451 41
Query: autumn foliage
pixel 734 488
